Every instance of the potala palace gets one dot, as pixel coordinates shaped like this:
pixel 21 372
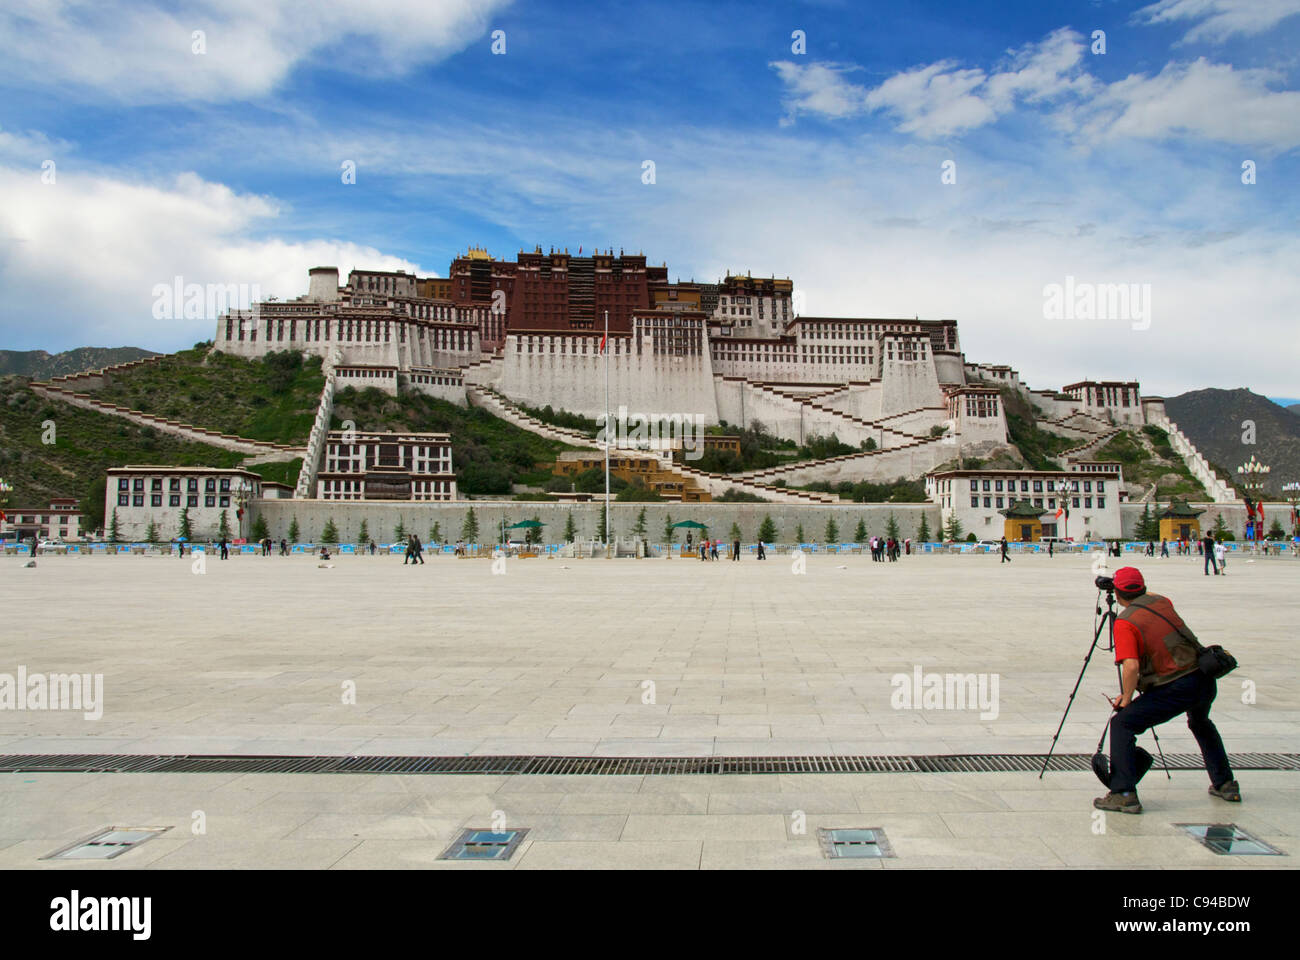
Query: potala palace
pixel 498 333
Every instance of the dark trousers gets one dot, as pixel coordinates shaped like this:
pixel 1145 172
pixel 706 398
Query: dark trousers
pixel 1209 562
pixel 1193 695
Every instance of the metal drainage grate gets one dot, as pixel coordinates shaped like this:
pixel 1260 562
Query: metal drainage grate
pixel 1228 839
pixel 485 845
pixel 599 766
pixel 107 844
pixel 858 843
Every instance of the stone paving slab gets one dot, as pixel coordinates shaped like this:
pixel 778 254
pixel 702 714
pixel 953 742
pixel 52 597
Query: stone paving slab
pixel 557 658
pixel 745 821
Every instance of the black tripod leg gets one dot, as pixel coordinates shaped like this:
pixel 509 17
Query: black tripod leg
pixel 1160 750
pixel 1110 613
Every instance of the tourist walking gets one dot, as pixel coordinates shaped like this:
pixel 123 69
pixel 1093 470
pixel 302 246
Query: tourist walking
pixel 713 550
pixel 1221 555
pixel 225 549
pixel 762 554
pixel 1206 547
pixel 1164 548
pixel 735 550
pixel 1005 557
pixel 419 549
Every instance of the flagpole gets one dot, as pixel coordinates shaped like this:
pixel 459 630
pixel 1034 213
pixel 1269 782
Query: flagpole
pixel 607 531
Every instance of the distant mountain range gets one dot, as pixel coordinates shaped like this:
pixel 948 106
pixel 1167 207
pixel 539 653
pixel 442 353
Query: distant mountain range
pixel 1213 420
pixel 40 365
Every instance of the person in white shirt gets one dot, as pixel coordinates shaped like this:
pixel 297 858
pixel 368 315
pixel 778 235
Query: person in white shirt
pixel 1221 555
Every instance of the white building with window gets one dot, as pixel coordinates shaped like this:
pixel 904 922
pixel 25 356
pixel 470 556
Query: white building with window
pixel 975 496
pixel 386 466
pixel 139 494
pixel 61 520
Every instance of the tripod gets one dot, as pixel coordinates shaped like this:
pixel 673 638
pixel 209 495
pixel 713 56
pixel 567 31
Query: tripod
pixel 1107 623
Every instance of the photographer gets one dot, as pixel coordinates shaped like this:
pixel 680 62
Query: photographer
pixel 1158 654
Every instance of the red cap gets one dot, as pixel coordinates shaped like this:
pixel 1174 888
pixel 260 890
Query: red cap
pixel 1129 579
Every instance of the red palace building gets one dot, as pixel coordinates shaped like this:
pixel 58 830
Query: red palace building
pixel 554 291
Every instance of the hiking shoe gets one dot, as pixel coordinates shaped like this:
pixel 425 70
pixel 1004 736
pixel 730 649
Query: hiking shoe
pixel 1119 803
pixel 1228 791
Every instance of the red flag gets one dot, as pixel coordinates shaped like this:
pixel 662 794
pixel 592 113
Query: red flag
pixel 579 251
pixel 602 343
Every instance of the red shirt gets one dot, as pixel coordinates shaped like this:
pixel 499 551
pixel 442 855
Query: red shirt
pixel 1128 642
pixel 1129 646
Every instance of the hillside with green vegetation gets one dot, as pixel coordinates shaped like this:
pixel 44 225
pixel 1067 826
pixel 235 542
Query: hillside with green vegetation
pixel 1040 448
pixel 899 491
pixel 488 454
pixel 85 444
pixel 273 398
pixel 1148 459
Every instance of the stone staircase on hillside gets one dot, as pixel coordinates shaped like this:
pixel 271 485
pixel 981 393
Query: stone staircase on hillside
pixel 270 452
pixel 839 422
pixel 97 377
pixel 715 483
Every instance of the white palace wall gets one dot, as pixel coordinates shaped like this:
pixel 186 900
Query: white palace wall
pixel 645 383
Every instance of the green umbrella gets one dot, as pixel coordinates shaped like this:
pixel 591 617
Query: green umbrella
pixel 690 523
pixel 525 523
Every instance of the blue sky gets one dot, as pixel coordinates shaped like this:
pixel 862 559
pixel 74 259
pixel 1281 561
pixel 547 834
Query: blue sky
pixel 1122 167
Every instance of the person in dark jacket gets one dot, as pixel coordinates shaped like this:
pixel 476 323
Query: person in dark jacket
pixel 1207 547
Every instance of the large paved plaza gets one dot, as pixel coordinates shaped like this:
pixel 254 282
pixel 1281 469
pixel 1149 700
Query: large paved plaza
pixel 652 658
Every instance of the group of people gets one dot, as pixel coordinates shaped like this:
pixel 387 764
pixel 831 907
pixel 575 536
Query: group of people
pixel 887 548
pixel 708 549
pixel 414 551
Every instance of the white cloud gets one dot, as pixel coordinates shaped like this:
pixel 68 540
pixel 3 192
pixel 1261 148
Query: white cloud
pixel 943 98
pixel 79 258
pixel 141 51
pixel 1198 99
pixel 1218 20
pixel 818 88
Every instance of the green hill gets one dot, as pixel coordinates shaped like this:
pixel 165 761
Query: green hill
pixel 273 398
pixel 39 365
pixel 85 445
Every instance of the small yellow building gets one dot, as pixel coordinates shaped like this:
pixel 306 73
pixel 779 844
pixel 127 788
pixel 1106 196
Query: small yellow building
pixel 1180 521
pixel 1023 522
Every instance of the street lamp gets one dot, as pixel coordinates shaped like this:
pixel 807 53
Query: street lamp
pixel 1252 476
